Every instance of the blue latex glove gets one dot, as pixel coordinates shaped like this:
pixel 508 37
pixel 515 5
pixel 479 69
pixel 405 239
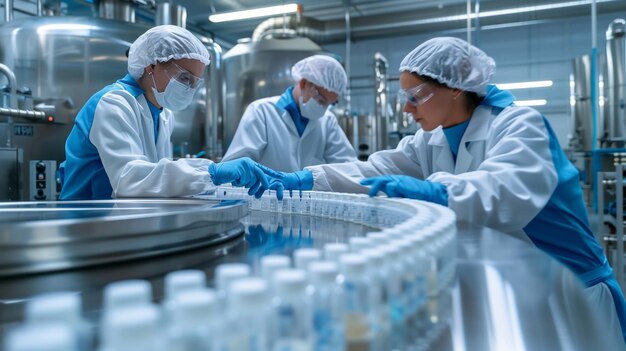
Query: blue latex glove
pixel 281 181
pixel 240 172
pixel 409 187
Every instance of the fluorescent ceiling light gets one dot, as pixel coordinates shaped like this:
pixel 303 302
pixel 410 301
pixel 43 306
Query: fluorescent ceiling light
pixel 539 102
pixel 254 13
pixel 525 85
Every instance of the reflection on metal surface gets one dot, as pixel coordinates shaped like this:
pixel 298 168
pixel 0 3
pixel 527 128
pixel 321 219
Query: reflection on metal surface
pixel 45 236
pixel 511 296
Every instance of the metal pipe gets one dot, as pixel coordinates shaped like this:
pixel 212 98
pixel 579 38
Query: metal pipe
pixel 4 69
pixel 477 23
pixel 8 11
pixel 303 26
pixel 214 104
pixel 39 8
pixel 348 110
pixel 381 100
pixel 469 20
pixel 28 114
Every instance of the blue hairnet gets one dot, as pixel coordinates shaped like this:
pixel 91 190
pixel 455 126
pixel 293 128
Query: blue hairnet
pixel 453 62
pixel 323 71
pixel 164 43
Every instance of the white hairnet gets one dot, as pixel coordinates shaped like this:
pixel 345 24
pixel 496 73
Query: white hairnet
pixel 453 62
pixel 164 43
pixel 323 71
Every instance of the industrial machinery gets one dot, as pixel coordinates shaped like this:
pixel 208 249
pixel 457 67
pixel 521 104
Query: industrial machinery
pixel 64 60
pixel 456 290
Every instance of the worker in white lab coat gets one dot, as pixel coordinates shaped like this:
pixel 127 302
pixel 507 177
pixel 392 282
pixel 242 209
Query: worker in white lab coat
pixel 296 129
pixel 120 144
pixel 493 163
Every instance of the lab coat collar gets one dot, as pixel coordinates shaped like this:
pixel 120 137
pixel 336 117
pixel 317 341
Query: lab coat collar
pixel 477 131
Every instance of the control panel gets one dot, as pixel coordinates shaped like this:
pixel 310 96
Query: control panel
pixel 43 180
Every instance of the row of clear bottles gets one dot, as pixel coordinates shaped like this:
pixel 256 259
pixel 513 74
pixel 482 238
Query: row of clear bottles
pixel 389 290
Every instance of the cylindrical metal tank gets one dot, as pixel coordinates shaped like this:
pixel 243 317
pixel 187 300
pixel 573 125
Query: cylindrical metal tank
pixel 616 82
pixel 581 134
pixel 258 69
pixel 64 60
pixel 168 13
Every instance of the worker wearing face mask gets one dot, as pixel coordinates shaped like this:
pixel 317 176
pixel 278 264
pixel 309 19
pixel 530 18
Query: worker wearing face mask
pixel 296 129
pixel 120 144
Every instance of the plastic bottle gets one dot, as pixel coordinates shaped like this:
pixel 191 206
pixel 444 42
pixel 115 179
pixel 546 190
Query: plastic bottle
pixel 41 337
pixel 247 318
pixel 357 318
pixel 127 293
pixel 182 281
pixel 179 282
pixel 332 251
pixel 304 257
pixel 377 273
pixel 358 244
pixel 133 329
pixel 327 306
pixel 395 301
pixel 270 264
pixel 192 321
pixel 62 308
pixel 225 275
pixel 291 317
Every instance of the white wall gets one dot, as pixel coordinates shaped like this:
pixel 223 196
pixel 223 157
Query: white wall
pixel 523 53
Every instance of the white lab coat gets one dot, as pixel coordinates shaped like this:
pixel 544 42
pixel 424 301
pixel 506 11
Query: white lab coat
pixel 123 133
pixel 268 135
pixel 503 177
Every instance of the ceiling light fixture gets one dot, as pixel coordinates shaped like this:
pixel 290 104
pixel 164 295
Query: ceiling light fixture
pixel 254 13
pixel 525 85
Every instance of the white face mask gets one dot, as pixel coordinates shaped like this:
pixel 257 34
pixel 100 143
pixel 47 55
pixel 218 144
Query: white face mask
pixel 311 109
pixel 176 96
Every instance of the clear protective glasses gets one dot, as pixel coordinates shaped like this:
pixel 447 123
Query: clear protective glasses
pixel 320 98
pixel 183 76
pixel 417 95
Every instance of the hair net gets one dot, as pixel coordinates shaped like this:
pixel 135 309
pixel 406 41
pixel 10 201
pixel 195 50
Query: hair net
pixel 323 71
pixel 164 43
pixel 453 62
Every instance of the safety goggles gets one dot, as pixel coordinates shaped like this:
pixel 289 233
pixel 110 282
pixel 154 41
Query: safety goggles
pixel 417 95
pixel 320 98
pixel 183 76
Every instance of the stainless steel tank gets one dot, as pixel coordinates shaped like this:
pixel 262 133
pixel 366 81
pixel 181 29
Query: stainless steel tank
pixel 64 60
pixel 616 82
pixel 258 69
pixel 581 132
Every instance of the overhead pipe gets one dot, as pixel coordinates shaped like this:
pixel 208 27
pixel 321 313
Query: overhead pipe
pixel 8 11
pixel 381 100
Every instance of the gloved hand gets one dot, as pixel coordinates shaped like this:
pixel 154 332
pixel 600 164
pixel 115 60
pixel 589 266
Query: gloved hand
pixel 240 172
pixel 409 187
pixel 281 181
